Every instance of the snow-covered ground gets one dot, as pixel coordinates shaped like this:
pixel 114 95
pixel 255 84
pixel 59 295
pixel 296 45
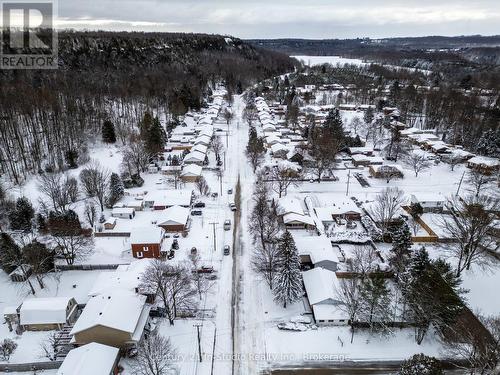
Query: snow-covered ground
pixel 334 60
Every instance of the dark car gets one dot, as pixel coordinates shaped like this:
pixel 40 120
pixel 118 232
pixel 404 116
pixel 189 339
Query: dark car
pixel 227 250
pixel 171 254
pixel 196 213
pixel 199 205
pixel 194 251
pixel 230 191
pixel 205 269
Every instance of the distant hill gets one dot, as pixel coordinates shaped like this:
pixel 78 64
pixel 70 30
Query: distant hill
pixel 360 46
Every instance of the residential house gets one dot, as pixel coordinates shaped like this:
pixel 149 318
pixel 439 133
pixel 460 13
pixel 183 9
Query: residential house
pixel 484 164
pixel 316 251
pixel 388 171
pixel 91 359
pixel 174 219
pixel 191 173
pixel 146 242
pixel 430 202
pixel 160 200
pixel 117 319
pixel 45 314
pixel 194 157
pixel 322 288
pixel 123 212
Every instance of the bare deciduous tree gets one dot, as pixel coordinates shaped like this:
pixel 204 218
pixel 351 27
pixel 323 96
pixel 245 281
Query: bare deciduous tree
pixel 202 186
pixel 135 157
pixel 349 297
pixel 73 245
pixel 95 180
pixel 155 356
pixel 51 346
pixel 469 225
pixel 173 285
pixel 53 186
pixel 282 177
pixel 478 182
pixel 417 162
pixel 386 206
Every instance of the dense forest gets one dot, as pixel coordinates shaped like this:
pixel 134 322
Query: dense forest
pixel 47 117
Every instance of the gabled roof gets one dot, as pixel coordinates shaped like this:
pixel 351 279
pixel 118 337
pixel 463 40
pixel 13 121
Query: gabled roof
pixel 90 359
pixel 191 170
pixel 293 217
pixel 319 248
pixel 50 310
pixel 126 277
pixel 120 310
pixel 174 215
pixel 194 156
pixel 321 285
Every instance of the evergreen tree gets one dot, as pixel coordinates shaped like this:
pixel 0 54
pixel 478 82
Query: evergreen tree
pixel 20 218
pixel 368 116
pixel 175 161
pixel 145 125
pixel 10 253
pixel 116 190
pixel 401 245
pixel 288 279
pixel 420 364
pixel 155 137
pixel 376 301
pixel 71 157
pixel 333 124
pixel 108 132
pixel 489 143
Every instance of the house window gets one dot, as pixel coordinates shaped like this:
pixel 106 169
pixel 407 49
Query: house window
pixel 145 248
pixel 139 254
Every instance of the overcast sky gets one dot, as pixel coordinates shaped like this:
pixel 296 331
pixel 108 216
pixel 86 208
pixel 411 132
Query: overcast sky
pixel 287 18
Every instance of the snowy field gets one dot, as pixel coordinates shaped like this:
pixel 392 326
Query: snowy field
pixel 334 60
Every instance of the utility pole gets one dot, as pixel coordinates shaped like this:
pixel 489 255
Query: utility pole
pixel 460 183
pixel 213 352
pixel 213 224
pixel 348 180
pixel 199 340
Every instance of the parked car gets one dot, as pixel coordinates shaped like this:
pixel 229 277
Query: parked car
pixel 230 191
pixel 194 251
pixel 232 206
pixel 214 195
pixel 227 224
pixel 171 254
pixel 227 250
pixel 199 205
pixel 205 269
pixel 196 213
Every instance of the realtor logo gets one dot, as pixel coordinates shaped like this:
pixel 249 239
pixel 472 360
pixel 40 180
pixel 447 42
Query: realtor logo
pixel 29 40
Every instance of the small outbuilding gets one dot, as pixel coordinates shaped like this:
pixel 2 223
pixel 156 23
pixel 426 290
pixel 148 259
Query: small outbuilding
pixel 91 359
pixel 45 314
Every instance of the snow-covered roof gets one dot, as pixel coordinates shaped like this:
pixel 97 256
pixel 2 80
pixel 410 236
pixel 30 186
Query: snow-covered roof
pixel 319 248
pixel 169 197
pixel 199 147
pixel 145 235
pixel 328 312
pixel 49 310
pixel 484 161
pixel 125 277
pixel 123 211
pixel 277 147
pixel 297 218
pixel 194 156
pixel 288 204
pixel 90 359
pixel 427 196
pixel 174 215
pixel 321 285
pixel 120 310
pixel 191 170
pixel 360 150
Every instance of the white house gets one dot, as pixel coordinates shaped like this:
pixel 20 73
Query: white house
pixel 123 212
pixel 42 314
pixel 90 359
pixel 191 173
pixel 174 219
pixel 194 157
pixel 316 251
pixel 322 287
